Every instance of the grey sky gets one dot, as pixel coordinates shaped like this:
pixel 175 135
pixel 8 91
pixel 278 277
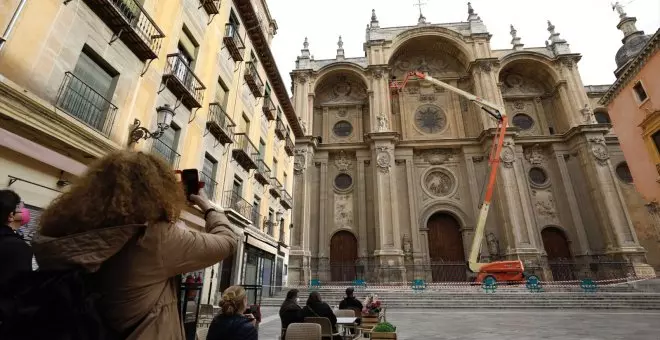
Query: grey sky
pixel 589 26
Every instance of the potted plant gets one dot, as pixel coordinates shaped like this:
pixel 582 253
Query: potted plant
pixel 370 311
pixel 383 330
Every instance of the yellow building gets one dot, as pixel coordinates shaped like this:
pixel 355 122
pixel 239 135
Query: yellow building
pixel 80 78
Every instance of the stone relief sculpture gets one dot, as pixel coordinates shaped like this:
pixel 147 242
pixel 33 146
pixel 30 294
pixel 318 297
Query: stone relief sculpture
pixel 439 183
pixel 438 156
pixel 382 123
pixel 508 155
pixel 599 149
pixel 299 161
pixel 535 155
pixel 343 211
pixel 342 163
pixel 587 114
pixel 406 243
pixel 383 159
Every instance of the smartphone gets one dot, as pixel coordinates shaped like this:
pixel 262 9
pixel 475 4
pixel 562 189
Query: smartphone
pixel 190 181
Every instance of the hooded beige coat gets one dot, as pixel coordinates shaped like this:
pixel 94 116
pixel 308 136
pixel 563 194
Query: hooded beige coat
pixel 137 266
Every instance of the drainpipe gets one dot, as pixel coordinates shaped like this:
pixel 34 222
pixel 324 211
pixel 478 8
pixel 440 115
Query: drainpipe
pixel 12 23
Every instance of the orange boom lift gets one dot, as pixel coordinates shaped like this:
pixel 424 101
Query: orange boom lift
pixel 499 270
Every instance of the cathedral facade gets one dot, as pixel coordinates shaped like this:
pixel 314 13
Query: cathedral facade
pixel 388 184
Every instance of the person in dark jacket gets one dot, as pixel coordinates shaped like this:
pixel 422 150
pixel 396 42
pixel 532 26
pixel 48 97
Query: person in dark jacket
pixel 231 323
pixel 350 302
pixel 290 311
pixel 15 253
pixel 316 308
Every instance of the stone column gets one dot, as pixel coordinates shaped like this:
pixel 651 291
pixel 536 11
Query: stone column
pixel 300 254
pixel 484 72
pixel 604 189
pixel 300 100
pixel 388 253
pixel 322 161
pixel 360 187
pixel 380 104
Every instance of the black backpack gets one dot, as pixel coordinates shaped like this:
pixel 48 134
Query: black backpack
pixel 55 305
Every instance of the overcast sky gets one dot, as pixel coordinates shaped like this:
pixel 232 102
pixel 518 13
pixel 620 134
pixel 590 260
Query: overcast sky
pixel 589 26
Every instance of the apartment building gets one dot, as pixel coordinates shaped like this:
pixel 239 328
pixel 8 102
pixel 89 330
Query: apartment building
pixel 193 81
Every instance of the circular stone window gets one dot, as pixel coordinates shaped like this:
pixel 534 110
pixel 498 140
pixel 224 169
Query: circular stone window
pixel 623 172
pixel 342 129
pixel 523 121
pixel 439 183
pixel 538 176
pixel 430 119
pixel 343 181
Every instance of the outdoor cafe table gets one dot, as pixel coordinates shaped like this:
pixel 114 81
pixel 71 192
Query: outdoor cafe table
pixel 346 321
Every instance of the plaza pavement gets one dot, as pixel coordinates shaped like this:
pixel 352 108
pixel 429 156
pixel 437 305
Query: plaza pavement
pixel 482 324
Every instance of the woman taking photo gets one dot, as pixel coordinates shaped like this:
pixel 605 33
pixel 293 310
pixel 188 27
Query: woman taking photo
pixel 118 221
pixel 231 323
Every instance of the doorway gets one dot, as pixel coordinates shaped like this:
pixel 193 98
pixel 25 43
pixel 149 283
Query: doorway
pixel 446 249
pixel 343 256
pixel 557 247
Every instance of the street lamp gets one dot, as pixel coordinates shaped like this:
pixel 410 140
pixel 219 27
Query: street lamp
pixel 165 114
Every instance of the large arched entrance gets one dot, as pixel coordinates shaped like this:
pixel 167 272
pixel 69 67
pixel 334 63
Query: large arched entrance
pixel 343 256
pixel 557 247
pixel 446 248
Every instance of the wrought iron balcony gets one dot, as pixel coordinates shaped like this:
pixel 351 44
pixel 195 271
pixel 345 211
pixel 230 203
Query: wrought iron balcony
pixel 167 152
pixel 287 200
pixel 210 6
pixel 280 129
pixel 253 80
pixel 275 187
pixel 183 83
pixel 235 202
pixel 130 22
pixel 233 42
pixel 209 185
pixel 245 153
pixel 219 124
pixel 83 103
pixel 269 108
pixel 263 172
pixel 289 146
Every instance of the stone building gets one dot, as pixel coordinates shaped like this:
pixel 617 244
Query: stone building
pixel 77 77
pixel 388 184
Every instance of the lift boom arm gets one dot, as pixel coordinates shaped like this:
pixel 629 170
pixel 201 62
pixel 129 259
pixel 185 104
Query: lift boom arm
pixel 499 114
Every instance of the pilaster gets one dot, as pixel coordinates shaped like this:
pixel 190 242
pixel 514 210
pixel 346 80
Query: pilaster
pixel 321 160
pixel 299 256
pixel 380 91
pixel 361 188
pixel 484 73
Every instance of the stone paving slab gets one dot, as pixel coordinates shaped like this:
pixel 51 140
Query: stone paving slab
pixel 508 324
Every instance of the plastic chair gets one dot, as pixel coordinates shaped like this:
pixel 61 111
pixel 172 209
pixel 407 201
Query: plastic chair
pixel 202 333
pixel 314 284
pixel 589 286
pixel 489 284
pixel 418 285
pixel 359 283
pixel 533 284
pixel 303 331
pixel 326 326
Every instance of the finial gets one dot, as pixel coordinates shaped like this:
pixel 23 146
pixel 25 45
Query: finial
pixel 373 15
pixel 472 15
pixel 618 7
pixel 306 44
pixel 513 32
pixel 551 27
pixel 470 9
pixel 515 41
pixel 340 44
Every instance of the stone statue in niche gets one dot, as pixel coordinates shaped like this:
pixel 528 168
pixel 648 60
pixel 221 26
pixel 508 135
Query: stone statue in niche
pixel 586 114
pixel 439 183
pixel 407 245
pixel 382 123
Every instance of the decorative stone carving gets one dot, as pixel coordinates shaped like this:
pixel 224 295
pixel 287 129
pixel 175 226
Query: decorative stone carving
pixel 546 208
pixel 587 114
pixel 299 161
pixel 341 90
pixel 477 159
pixel 343 211
pixel 341 113
pixel 377 73
pixel 382 123
pixel 519 105
pixel 535 155
pixel 342 163
pixel 568 63
pixel 399 161
pixel 430 119
pixel 515 84
pixel 412 90
pixel 427 97
pixel 439 183
pixel 438 89
pixel 406 243
pixel 438 156
pixel 599 149
pixel 508 155
pixel 383 159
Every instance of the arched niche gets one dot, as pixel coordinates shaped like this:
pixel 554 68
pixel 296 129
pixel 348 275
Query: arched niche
pixel 341 106
pixel 427 111
pixel 529 87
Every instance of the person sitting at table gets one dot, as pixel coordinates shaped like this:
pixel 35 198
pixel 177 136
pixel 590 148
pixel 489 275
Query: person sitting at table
pixel 350 302
pixel 316 308
pixel 290 311
pixel 232 323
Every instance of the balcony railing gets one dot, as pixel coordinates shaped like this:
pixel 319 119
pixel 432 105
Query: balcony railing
pixel 289 146
pixel 235 202
pixel 262 174
pixel 287 200
pixel 280 129
pixel 209 185
pixel 275 187
pixel 210 6
pixel 167 152
pixel 245 153
pixel 219 124
pixel 183 82
pixel 253 80
pixel 269 108
pixel 233 42
pixel 130 22
pixel 82 102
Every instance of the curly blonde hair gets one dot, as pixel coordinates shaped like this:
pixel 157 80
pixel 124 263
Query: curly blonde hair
pixel 233 301
pixel 122 188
